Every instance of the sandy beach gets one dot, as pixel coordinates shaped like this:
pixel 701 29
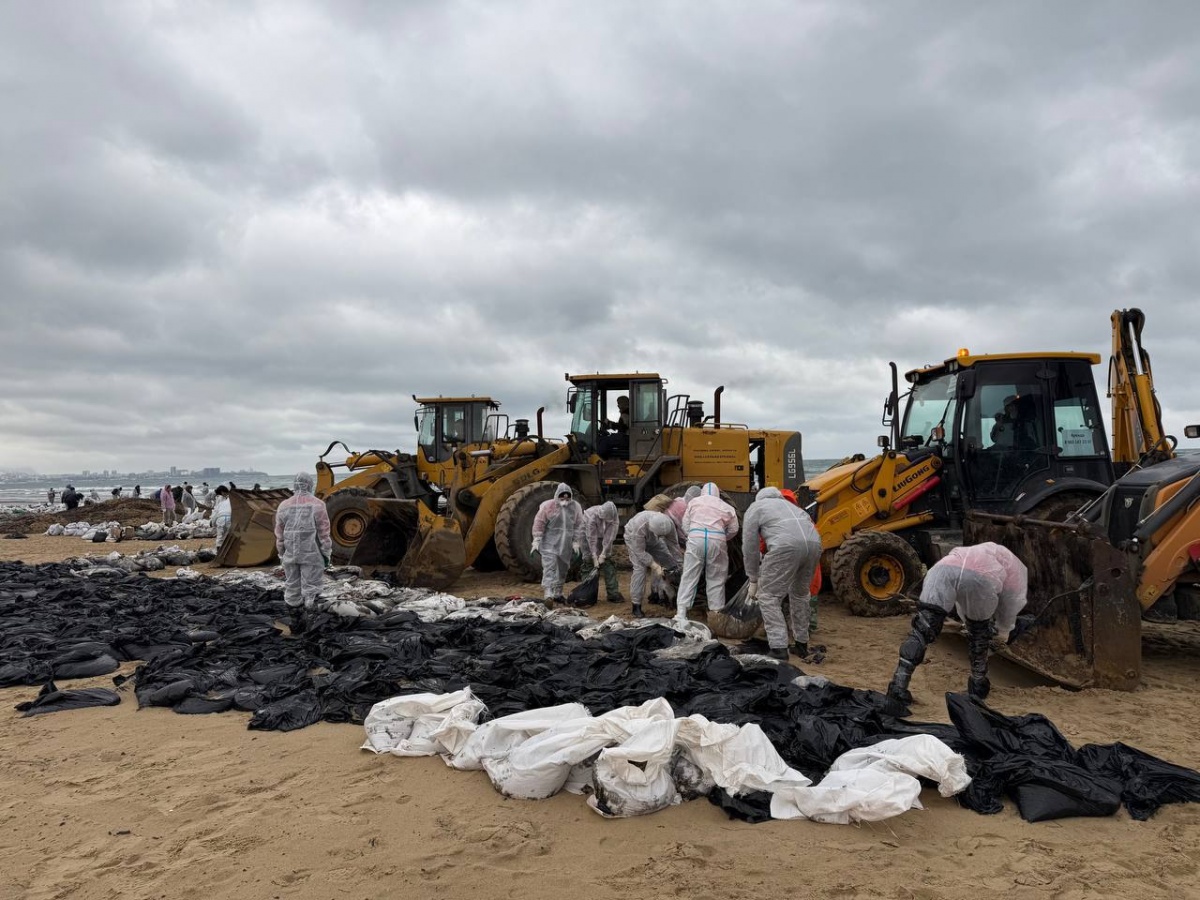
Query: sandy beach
pixel 117 802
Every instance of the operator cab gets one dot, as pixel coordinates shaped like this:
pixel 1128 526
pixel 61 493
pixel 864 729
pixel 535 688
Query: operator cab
pixel 617 416
pixel 1011 428
pixel 445 423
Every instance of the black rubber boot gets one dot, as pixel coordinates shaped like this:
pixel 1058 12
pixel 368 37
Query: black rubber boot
pixel 979 636
pixel 779 653
pixel 299 620
pixel 616 598
pixel 637 611
pixel 899 697
pixel 800 648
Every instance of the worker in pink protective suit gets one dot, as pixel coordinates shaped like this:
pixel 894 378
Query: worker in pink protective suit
pixel 709 524
pixel 986 584
pixel 557 539
pixel 304 544
pixel 167 502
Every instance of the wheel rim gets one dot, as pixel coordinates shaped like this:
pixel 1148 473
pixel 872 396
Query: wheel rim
pixel 881 577
pixel 348 527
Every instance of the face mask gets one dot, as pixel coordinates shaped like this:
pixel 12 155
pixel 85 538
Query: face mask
pixel 563 501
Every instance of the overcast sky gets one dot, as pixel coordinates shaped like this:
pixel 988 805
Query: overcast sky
pixel 233 232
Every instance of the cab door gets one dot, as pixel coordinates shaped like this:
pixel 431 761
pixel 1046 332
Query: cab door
pixel 1005 433
pixel 645 420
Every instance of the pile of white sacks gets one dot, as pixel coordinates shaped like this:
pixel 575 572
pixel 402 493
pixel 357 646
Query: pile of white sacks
pixel 192 527
pixel 640 759
pixel 144 561
pixel 113 531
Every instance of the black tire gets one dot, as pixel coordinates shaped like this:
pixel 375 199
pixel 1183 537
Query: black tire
pixel 872 570
pixel 347 521
pixel 514 528
pixel 1058 507
pixel 488 559
pixel 1187 602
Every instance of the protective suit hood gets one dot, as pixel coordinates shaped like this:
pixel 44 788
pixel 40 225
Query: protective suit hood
pixel 303 483
pixel 563 488
pixel 769 493
pixel 692 493
pixel 711 490
pixel 608 512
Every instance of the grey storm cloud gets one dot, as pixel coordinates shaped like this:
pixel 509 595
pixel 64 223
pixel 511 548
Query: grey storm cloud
pixel 233 232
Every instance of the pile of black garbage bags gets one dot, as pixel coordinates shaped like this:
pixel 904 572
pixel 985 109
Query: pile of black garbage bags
pixel 209 647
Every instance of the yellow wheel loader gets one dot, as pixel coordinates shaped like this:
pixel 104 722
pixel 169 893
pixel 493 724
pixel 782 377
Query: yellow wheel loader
pixel 400 494
pixel 627 451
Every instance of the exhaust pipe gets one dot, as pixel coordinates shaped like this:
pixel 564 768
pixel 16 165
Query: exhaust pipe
pixel 717 405
pixel 541 432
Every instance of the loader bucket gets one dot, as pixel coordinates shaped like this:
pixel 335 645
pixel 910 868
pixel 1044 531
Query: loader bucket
pixel 1088 623
pixel 404 539
pixel 251 537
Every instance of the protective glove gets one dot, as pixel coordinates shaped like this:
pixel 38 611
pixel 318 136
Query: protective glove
pixel 535 554
pixel 656 569
pixel 601 559
pixel 577 548
pixel 325 557
pixel 752 591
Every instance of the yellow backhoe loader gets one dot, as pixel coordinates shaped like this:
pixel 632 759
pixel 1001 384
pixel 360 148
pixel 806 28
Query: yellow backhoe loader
pixel 1006 447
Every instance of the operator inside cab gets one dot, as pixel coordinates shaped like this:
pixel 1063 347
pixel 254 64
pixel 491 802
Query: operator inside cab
pixel 614 439
pixel 1016 424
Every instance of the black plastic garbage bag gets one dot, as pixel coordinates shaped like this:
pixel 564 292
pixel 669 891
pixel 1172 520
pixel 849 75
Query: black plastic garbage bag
pixel 51 700
pixel 587 592
pixel 1148 782
pixel 85 661
pixel 739 619
pixel 753 807
pixel 297 711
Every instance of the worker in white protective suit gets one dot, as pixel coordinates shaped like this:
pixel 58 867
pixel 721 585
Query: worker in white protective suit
pixel 600 525
pixel 304 544
pixel 653 549
pixel 986 584
pixel 557 539
pixel 709 523
pixel 786 569
pixel 222 514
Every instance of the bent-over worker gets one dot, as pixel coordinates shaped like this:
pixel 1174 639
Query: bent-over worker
pixel 653 548
pixel 986 584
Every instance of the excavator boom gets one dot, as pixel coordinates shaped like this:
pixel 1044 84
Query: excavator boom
pixel 1138 434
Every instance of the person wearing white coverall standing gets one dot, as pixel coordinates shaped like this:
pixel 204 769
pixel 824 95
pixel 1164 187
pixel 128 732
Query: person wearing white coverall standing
pixel 304 544
pixel 709 524
pixel 600 531
pixel 786 569
pixel 987 585
pixel 557 537
pixel 653 547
